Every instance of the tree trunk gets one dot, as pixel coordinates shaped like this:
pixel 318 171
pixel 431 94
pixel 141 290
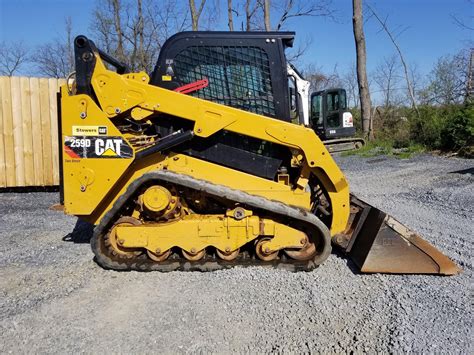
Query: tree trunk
pixel 248 15
pixel 364 93
pixel 70 47
pixel 229 14
pixel 141 35
pixel 470 74
pixel 266 15
pixel 118 29
pixel 196 13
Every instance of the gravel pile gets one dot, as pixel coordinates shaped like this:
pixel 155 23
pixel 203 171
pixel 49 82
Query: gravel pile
pixel 55 299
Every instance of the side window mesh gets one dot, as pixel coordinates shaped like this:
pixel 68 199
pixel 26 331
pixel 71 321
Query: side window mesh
pixel 238 76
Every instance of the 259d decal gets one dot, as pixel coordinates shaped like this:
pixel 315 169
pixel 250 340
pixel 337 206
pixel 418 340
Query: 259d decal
pixel 78 147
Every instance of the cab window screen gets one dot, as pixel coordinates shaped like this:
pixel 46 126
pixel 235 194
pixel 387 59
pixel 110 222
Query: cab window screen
pixel 238 76
pixel 343 100
pixel 316 115
pixel 333 101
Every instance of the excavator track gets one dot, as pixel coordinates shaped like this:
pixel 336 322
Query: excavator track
pixel 298 218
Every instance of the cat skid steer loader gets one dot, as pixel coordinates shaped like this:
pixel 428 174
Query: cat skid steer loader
pixel 180 172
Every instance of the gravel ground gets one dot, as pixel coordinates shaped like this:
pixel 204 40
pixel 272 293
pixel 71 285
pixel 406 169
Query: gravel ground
pixel 55 299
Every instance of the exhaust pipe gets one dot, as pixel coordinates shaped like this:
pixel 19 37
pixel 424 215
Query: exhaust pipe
pixel 377 243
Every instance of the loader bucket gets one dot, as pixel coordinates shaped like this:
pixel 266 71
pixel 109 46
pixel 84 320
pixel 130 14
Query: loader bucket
pixel 377 243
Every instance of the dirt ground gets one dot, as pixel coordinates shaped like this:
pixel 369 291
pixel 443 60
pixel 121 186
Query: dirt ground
pixel 55 299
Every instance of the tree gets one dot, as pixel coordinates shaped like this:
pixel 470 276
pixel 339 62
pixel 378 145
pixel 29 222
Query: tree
pixel 133 31
pixel 361 56
pixel 448 80
pixel 119 52
pixel 12 58
pixel 284 10
pixel 319 80
pixel 289 9
pixel 196 13
pixel 56 58
pixel 349 82
pixel 250 10
pixel 387 79
pixel 266 15
pixel 230 15
pixel 402 59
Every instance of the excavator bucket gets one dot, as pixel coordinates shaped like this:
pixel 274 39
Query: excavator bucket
pixel 377 243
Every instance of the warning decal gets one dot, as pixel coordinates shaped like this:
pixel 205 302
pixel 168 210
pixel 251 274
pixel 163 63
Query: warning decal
pixel 347 120
pixel 79 147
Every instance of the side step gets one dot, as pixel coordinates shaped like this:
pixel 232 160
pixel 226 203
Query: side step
pixel 377 243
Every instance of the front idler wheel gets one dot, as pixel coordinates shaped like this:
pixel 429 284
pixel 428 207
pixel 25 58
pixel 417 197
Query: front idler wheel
pixel 115 244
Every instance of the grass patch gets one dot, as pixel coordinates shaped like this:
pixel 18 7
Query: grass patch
pixel 408 152
pixel 386 147
pixel 372 149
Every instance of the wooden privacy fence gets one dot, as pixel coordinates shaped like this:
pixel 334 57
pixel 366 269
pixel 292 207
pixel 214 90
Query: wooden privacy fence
pixel 29 131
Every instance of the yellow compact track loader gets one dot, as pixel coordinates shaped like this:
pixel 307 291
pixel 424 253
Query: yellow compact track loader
pixel 200 168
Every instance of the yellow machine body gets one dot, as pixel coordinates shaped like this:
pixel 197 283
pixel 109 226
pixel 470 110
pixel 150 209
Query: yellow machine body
pixel 87 181
pixel 150 204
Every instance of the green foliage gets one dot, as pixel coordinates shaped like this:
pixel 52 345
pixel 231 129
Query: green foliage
pixel 391 124
pixel 399 131
pixel 448 128
pixel 427 128
pixel 458 132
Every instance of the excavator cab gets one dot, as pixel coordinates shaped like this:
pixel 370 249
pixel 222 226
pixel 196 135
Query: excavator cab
pixel 332 121
pixel 330 117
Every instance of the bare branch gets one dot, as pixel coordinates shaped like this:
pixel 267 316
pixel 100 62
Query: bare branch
pixel 12 58
pixel 293 8
pixel 405 66
pixel 461 23
pixel 296 53
pixel 230 15
pixel 387 79
pixel 196 13
pixel 56 58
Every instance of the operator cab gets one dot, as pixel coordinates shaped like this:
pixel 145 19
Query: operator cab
pixel 330 117
pixel 244 70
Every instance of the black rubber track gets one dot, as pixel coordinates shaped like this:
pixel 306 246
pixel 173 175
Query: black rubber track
pixel 312 225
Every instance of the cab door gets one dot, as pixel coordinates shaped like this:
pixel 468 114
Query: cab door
pixel 334 107
pixel 317 113
pixel 330 116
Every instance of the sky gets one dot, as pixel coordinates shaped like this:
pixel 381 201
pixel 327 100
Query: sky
pixel 429 29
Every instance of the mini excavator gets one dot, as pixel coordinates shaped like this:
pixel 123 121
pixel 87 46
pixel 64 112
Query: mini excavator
pixel 199 166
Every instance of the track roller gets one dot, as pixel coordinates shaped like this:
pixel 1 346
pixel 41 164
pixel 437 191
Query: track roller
pixel 194 256
pixel 159 256
pixel 228 256
pixel 263 252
